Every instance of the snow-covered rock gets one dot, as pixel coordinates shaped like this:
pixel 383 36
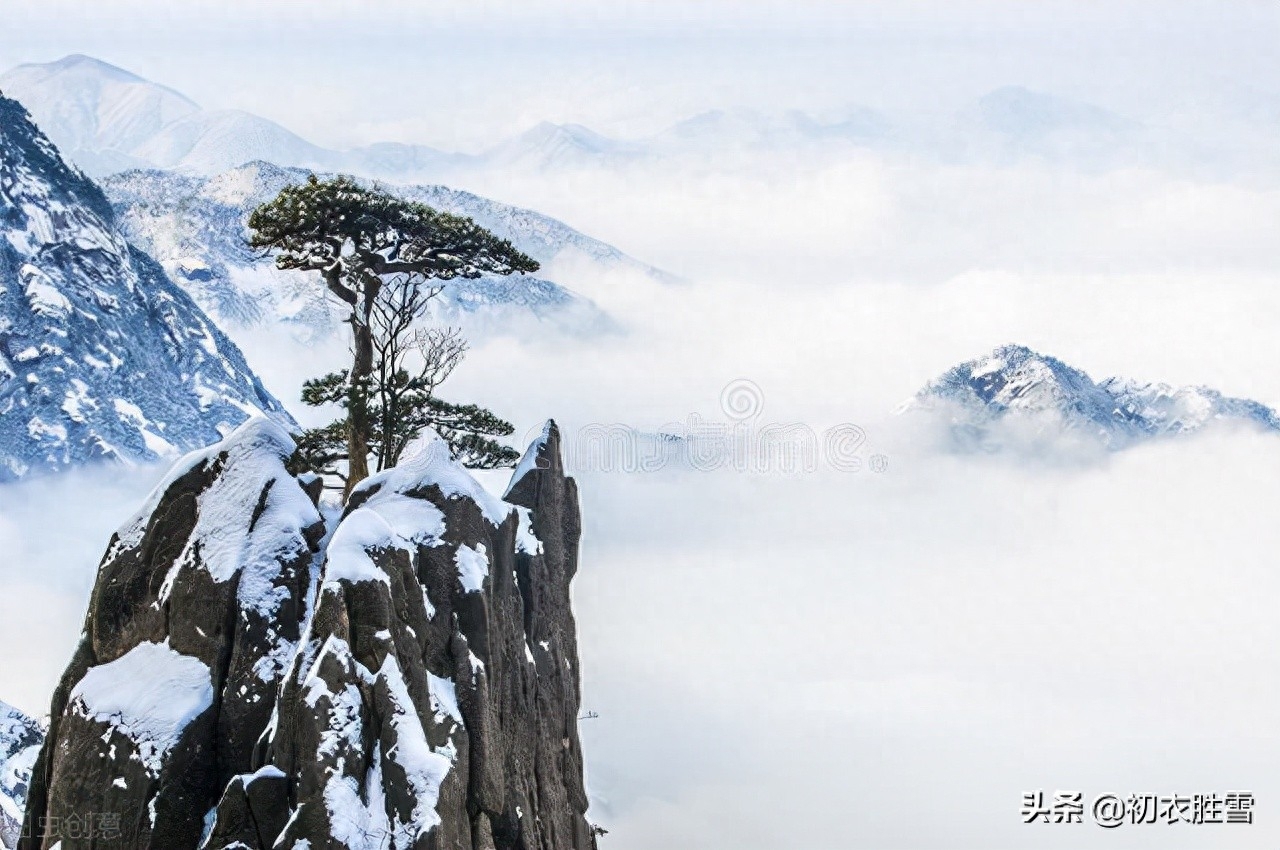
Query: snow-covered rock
pixel 197 228
pixel 102 357
pixel 197 610
pixel 407 679
pixel 1016 398
pixel 20 741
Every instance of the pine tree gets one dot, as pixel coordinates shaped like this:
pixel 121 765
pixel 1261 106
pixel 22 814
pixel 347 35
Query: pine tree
pixel 384 257
pixel 401 404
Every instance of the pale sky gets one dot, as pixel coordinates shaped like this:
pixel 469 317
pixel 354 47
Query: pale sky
pixel 467 75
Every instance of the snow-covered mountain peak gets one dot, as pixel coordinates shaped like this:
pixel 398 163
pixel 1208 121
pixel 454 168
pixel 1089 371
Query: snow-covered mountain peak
pixel 1016 397
pixel 94 111
pixel 548 132
pixel 246 184
pixel 1020 111
pixel 108 120
pixel 547 145
pixel 101 356
pixel 1014 377
pixel 79 63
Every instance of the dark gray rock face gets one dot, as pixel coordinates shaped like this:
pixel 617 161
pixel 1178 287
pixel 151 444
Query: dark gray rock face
pixel 422 686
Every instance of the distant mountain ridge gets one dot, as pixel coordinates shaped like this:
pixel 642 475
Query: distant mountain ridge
pixel 102 357
pixel 110 120
pixel 94 112
pixel 1018 398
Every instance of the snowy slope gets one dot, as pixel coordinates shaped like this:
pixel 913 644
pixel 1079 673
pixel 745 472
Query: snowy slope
pixel 20 741
pixel 540 236
pixel 101 355
pixel 1017 398
pixel 211 141
pixel 196 228
pixel 95 113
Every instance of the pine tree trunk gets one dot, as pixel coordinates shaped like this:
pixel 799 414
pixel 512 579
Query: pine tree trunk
pixel 358 407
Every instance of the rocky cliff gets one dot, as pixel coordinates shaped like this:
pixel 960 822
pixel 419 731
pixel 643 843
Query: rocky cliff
pixel 405 676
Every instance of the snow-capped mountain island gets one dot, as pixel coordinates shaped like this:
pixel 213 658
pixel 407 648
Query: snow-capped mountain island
pixel 405 677
pixel 196 228
pixel 20 740
pixel 102 357
pixel 1016 398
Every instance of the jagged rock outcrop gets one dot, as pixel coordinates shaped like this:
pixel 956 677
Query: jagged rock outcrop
pixel 20 740
pixel 418 688
pixel 194 618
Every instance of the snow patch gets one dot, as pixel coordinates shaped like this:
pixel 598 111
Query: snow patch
pixel 428 461
pixel 151 694
pixel 526 540
pixel 348 558
pixel 473 567
pixel 444 697
pixel 529 461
